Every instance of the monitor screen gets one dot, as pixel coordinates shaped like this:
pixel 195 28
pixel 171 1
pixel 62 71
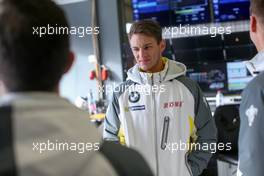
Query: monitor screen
pixel 152 9
pixel 239 45
pixel 238 76
pixel 211 76
pixel 230 10
pixel 201 48
pixel 172 12
pixel 190 12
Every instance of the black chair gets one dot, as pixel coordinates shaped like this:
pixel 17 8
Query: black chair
pixel 227 122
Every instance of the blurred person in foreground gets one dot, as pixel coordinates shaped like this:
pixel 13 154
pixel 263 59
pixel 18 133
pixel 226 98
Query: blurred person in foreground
pixel 42 133
pixel 251 134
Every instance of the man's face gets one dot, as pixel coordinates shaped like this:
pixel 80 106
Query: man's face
pixel 147 51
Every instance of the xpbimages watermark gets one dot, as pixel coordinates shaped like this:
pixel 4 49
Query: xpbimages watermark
pixel 144 89
pixel 211 147
pixel 56 145
pixel 80 31
pixel 196 30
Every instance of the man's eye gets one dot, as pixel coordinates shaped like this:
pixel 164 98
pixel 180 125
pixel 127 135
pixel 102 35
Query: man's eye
pixel 147 47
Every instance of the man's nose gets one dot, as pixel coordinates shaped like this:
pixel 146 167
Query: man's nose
pixel 141 52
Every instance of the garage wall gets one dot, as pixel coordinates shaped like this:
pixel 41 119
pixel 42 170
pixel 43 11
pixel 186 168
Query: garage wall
pixel 76 82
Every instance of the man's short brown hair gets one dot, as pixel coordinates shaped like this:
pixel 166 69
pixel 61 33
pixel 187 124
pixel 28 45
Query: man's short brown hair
pixel 147 27
pixel 257 7
pixel 29 62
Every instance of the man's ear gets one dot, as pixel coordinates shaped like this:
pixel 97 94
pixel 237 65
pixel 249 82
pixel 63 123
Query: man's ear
pixel 70 61
pixel 253 23
pixel 162 45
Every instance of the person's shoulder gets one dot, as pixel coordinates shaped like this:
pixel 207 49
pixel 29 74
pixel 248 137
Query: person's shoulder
pixel 256 83
pixel 188 82
pixel 258 80
pixel 126 161
pixel 189 79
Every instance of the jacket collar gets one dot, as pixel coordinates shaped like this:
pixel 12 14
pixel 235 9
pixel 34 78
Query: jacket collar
pixel 256 64
pixel 152 78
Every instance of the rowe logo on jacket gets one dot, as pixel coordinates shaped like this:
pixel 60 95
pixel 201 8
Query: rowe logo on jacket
pixel 175 104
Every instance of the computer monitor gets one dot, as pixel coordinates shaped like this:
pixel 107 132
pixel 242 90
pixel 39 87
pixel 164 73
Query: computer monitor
pixel 237 76
pixel 230 10
pixel 211 76
pixel 172 12
pixel 200 48
pixel 158 10
pixel 238 45
pixel 190 12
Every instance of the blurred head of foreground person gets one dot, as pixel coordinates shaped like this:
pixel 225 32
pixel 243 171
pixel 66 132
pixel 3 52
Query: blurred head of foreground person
pixel 42 133
pixel 251 134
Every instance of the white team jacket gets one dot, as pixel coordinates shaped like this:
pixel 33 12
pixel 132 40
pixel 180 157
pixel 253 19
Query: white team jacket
pixel 160 114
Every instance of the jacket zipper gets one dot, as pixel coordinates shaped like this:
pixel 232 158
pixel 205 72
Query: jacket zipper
pixel 165 131
pixel 155 128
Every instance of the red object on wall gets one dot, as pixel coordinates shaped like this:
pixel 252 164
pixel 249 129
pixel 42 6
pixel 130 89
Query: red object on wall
pixel 92 75
pixel 104 74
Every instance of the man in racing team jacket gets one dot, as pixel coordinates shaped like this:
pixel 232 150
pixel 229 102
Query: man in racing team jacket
pixel 42 133
pixel 158 108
